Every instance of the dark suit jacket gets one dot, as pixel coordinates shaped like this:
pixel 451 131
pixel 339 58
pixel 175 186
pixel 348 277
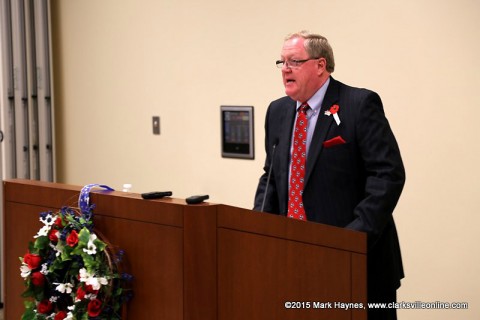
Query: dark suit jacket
pixel 355 184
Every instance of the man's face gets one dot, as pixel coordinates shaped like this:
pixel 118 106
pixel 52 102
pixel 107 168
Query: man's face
pixel 303 81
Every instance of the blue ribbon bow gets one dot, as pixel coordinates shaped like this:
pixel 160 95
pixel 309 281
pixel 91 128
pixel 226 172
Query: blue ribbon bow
pixel 84 198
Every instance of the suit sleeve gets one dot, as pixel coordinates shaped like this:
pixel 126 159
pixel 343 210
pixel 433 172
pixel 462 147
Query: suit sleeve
pixel 382 166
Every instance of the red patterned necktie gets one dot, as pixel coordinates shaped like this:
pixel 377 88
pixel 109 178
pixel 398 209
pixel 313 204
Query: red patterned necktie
pixel 297 174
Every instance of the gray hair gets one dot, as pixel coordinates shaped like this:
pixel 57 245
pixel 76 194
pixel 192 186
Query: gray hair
pixel 316 46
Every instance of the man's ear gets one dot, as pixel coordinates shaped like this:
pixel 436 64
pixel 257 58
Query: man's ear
pixel 322 65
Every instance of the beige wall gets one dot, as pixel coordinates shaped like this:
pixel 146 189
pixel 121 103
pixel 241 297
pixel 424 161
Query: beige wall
pixel 119 62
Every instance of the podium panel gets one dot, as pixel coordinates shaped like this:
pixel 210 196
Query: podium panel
pixel 206 261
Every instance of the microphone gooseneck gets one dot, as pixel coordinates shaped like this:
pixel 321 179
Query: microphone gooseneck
pixel 268 177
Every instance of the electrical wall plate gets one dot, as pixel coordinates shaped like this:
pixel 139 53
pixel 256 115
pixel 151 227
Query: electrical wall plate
pixel 156 125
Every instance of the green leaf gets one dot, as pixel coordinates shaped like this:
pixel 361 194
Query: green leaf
pixel 77 251
pixel 89 262
pixel 39 294
pixel 41 242
pixel 56 265
pixel 31 248
pixel 69 218
pixel 67 253
pixel 100 245
pixel 29 304
pixel 28 293
pixel 83 237
pixel 29 313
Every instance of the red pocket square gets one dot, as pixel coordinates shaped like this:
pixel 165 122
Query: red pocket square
pixel 333 142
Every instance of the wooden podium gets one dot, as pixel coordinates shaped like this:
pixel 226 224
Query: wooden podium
pixel 204 262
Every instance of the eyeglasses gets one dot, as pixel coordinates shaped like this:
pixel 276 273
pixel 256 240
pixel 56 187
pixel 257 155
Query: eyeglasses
pixel 292 63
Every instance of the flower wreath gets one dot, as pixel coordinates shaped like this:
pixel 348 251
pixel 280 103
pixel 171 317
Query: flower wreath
pixel 70 271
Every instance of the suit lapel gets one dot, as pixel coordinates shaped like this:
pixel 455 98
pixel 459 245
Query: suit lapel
pixel 285 141
pixel 322 127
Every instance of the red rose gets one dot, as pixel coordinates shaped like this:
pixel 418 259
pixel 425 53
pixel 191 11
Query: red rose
pixel 60 315
pixel 32 260
pixel 89 289
pixel 58 222
pixel 94 308
pixel 81 293
pixel 45 307
pixel 72 239
pixel 38 279
pixel 53 235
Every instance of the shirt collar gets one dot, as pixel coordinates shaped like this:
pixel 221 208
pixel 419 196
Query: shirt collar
pixel 315 102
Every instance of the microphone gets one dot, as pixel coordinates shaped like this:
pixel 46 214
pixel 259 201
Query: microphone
pixel 268 177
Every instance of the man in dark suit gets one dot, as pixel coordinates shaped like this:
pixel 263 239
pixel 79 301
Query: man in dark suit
pixel 353 174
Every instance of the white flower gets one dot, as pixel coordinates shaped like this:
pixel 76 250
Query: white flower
pixel 49 220
pixel 24 270
pixel 69 316
pixel 91 248
pixel 44 270
pixel 95 282
pixel 43 231
pixel 64 287
pixel 83 275
pixel 53 299
pixel 92 238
